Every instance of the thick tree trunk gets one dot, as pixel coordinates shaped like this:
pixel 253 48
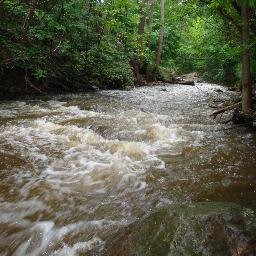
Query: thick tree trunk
pixel 161 37
pixel 246 83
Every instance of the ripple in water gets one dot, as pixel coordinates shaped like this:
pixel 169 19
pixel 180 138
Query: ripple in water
pixel 75 170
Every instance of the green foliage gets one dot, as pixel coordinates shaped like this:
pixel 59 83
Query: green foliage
pixel 206 38
pixel 54 38
pixel 50 38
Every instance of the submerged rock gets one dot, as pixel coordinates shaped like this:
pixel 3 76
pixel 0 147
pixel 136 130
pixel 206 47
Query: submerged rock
pixel 218 229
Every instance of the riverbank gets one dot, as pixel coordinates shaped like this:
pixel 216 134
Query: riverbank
pixel 18 88
pixel 17 84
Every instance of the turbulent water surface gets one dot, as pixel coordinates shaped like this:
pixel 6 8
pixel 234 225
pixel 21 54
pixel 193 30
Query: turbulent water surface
pixel 77 168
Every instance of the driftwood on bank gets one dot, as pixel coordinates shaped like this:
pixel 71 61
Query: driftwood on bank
pixel 227 108
pixel 184 82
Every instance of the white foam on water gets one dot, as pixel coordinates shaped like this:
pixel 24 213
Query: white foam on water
pixel 23 209
pixel 58 111
pixel 158 132
pixel 41 236
pixel 86 158
pixel 80 162
pixel 80 247
pixel 45 238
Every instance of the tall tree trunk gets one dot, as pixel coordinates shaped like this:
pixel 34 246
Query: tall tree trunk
pixel 150 21
pixel 30 13
pixel 161 37
pixel 136 63
pixel 141 27
pixel 246 83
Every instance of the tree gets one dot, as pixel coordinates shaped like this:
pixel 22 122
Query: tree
pixel 150 21
pixel 161 37
pixel 230 12
pixel 142 22
pixel 246 82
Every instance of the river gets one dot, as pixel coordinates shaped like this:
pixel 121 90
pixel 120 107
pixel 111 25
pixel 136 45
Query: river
pixel 77 169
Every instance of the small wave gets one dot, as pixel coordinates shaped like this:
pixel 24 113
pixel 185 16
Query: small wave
pixel 45 238
pixel 71 155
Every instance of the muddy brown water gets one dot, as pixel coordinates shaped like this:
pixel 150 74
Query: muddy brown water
pixel 75 169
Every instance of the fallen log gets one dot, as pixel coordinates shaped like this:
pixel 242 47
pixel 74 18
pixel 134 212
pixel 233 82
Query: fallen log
pixel 212 106
pixel 187 82
pixel 183 82
pixel 233 89
pixel 227 108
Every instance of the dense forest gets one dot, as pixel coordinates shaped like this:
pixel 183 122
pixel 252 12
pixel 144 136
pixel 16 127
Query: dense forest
pixel 57 46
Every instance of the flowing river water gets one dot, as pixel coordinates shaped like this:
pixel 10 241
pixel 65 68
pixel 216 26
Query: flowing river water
pixel 79 171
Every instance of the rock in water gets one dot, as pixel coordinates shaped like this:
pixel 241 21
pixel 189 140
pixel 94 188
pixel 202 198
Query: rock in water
pixel 200 229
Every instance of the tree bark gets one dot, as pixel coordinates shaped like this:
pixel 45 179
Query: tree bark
pixel 150 21
pixel 136 63
pixel 30 13
pixel 141 27
pixel 161 37
pixel 246 82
